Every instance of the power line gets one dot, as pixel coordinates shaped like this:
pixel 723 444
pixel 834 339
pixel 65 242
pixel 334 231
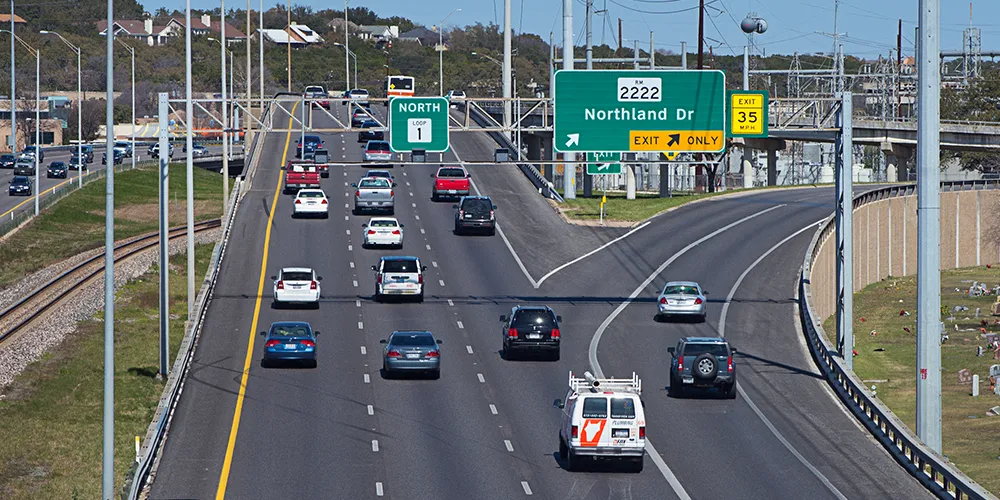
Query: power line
pixel 642 11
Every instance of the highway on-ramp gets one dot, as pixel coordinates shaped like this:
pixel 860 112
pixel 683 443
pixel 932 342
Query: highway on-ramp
pixel 487 428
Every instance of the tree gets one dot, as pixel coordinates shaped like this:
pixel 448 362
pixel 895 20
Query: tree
pixel 93 119
pixel 980 101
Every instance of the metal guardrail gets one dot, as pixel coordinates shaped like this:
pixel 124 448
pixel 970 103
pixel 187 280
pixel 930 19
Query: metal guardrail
pixel 137 476
pixel 932 470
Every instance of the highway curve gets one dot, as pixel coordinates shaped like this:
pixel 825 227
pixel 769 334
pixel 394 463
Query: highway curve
pixel 487 428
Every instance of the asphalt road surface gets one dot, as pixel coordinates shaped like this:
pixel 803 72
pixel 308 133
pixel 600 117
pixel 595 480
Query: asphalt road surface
pixel 487 429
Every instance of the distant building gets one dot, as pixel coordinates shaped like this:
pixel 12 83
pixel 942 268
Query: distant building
pixel 18 20
pixel 50 129
pixel 152 35
pixel 378 33
pixel 337 25
pixel 422 35
pixel 296 35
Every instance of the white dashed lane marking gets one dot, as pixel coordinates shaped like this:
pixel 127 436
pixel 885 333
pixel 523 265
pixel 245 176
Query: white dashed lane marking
pixel 361 325
pixel 355 283
pixel 364 350
pixel 368 379
pixel 422 231
pixel 352 265
pixel 378 489
pixel 428 247
pixel 462 327
pixel 527 489
pixel 434 263
pixel 450 303
pixel 481 379
pixel 357 303
pixel 510 447
pixel 493 409
pixel 468 348
pixel 375 445
pixel 441 282
pixel 371 410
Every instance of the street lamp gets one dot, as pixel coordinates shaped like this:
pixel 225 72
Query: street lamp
pixel 347 46
pixel 79 104
pixel 131 51
pixel 441 50
pixel 355 56
pixel 13 111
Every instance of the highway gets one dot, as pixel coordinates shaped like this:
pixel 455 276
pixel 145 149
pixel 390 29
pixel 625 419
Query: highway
pixel 487 428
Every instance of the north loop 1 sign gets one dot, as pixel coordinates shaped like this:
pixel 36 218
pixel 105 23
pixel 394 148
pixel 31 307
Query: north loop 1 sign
pixel 418 123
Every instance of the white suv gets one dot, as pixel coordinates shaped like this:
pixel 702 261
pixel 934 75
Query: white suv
pixel 296 285
pixel 603 418
pixel 402 276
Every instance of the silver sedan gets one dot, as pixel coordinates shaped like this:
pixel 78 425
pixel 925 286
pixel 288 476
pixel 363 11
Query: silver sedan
pixel 411 352
pixel 682 298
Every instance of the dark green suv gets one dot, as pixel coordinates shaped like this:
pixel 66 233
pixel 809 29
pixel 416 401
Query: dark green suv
pixel 704 363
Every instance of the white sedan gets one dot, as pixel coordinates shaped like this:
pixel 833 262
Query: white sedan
pixel 311 202
pixel 383 231
pixel 296 285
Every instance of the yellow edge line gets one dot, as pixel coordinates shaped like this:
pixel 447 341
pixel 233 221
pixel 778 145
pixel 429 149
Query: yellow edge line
pixel 53 188
pixel 227 463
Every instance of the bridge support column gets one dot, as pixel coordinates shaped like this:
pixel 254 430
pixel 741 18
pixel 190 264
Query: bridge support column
pixel 772 167
pixel 747 163
pixel 534 144
pixel 896 158
pixel 546 145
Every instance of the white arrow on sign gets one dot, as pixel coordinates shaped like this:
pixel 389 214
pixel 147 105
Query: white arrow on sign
pixel 573 139
pixel 603 166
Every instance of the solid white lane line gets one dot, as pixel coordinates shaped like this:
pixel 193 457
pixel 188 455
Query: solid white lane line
pixel 493 409
pixel 434 263
pixel 422 231
pixel 371 410
pixel 510 247
pixel 355 283
pixel 510 447
pixel 428 247
pixel 596 339
pixel 481 379
pixel 368 379
pixel 364 350
pixel 361 325
pixel 753 406
pixel 462 327
pixel 527 489
pixel 375 445
pixel 441 282
pixel 352 265
pixel 378 489
pixel 592 252
pixel 468 348
pixel 450 303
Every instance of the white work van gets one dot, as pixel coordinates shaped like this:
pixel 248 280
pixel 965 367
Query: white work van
pixel 603 418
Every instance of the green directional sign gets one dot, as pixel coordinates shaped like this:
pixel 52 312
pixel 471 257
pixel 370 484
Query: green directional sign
pixel 604 163
pixel 630 110
pixel 418 123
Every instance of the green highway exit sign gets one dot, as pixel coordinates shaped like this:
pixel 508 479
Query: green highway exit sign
pixel 632 110
pixel 604 163
pixel 418 123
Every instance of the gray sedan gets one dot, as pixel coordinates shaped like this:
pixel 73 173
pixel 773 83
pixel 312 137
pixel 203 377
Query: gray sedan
pixel 682 298
pixel 411 352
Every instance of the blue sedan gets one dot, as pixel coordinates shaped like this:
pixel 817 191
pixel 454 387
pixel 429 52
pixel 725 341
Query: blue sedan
pixel 290 341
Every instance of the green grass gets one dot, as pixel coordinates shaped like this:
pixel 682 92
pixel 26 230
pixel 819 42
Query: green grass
pixel 887 360
pixel 76 223
pixel 50 422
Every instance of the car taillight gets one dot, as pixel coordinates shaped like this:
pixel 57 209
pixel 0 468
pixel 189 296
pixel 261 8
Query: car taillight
pixel 420 278
pixel 698 300
pixel 393 354
pixel 298 202
pixel 368 151
pixel 730 362
pixel 492 215
pixel 680 362
pixel 576 432
pixel 379 279
pixel 357 193
pixel 396 232
pixel 271 343
pixel 433 354
pixel 312 285
pixel 281 285
pixel 512 333
pixel 307 343
pixel 324 202
pixel 663 300
pixel 555 333
pixel 461 213
pixel 371 231
pixel 642 432
pixel 392 193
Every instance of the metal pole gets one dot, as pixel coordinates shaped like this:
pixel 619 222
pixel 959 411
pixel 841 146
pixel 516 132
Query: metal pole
pixel 189 170
pixel 635 54
pixel 132 52
pixel 440 49
pixel 684 55
pixel 288 42
pixel 701 34
pixel 845 235
pixel 108 452
pixel 929 228
pixel 552 66
pixel 652 52
pixel 746 67
pixel 302 133
pixel 246 119
pixel 164 160
pixel 507 62
pixel 13 90
pixel 347 54
pixel 79 118
pixel 355 56
pixel 588 180
pixel 225 113
pixel 260 43
pixel 569 169
pixel 38 121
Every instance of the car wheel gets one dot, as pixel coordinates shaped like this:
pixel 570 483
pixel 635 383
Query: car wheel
pixel 555 355
pixel 326 215
pixel 378 297
pixel 637 465
pixel 355 211
pixel 312 363
pixel 571 461
pixel 434 197
pixel 420 298
pixel 392 211
pixel 316 304
pixel 493 231
pixel 436 374
pixel 675 388
pixel 702 318
pixel 563 450
pixel 458 231
pixel 731 391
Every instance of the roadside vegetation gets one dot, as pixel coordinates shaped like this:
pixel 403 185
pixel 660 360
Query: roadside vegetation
pixel 76 223
pixel 51 415
pixel 885 340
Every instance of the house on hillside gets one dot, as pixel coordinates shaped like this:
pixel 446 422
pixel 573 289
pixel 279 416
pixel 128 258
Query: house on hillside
pixel 152 35
pixel 18 21
pixel 296 35
pixel 337 25
pixel 422 35
pixel 378 33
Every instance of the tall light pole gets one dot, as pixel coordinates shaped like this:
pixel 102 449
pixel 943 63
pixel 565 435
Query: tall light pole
pixel 507 65
pixel 108 451
pixel 13 93
pixel 441 51
pixel 37 55
pixel 350 53
pixel 79 104
pixel 131 51
pixel 260 43
pixel 347 45
pixel 288 42
pixel 247 118
pixel 189 167
pixel 225 126
pixel 569 169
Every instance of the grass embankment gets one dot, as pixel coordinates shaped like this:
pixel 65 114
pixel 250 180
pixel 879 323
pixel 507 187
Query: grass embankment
pixel 76 223
pixel 888 361
pixel 50 421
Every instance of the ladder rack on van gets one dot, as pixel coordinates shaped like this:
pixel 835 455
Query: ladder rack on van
pixel 588 382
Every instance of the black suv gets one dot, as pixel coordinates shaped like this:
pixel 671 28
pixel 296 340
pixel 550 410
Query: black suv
pixel 57 169
pixel 7 161
pixel 20 185
pixel 475 213
pixel 702 362
pixel 531 329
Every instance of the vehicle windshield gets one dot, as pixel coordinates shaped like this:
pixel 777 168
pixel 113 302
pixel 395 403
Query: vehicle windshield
pixel 526 318
pixel 375 183
pixel 712 349
pixel 680 290
pixel 383 223
pixel 399 266
pixel 290 331
pixel 20 179
pixel 310 194
pixel 57 164
pixel 595 407
pixel 369 124
pixel 451 172
pixel 312 139
pixel 378 146
pixel 379 173
pixel 477 206
pixel 359 92
pixel 296 276
pixel 622 408
pixel 7 157
pixel 412 340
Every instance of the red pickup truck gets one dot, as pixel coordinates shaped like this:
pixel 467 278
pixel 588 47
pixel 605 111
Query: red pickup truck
pixel 451 181
pixel 300 175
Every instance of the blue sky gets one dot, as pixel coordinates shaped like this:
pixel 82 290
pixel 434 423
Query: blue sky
pixel 870 25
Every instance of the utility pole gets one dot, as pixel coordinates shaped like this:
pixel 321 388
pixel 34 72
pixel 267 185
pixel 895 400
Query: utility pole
pixel 189 143
pixel 164 161
pixel 899 70
pixel 617 52
pixel 929 227
pixel 288 41
pixel 347 48
pixel 588 181
pixel 13 90
pixel 701 34
pixel 507 94
pixel 260 48
pixel 225 113
pixel 108 449
pixel 569 169
pixel 845 230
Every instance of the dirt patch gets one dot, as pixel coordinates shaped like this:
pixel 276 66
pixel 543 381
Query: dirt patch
pixel 149 212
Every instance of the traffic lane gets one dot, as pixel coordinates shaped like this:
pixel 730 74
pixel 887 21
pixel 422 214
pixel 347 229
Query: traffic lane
pixel 782 378
pixel 294 415
pixel 193 453
pixel 719 434
pixel 482 283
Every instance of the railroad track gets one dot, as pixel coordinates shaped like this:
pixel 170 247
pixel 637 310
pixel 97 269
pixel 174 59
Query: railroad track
pixel 22 313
